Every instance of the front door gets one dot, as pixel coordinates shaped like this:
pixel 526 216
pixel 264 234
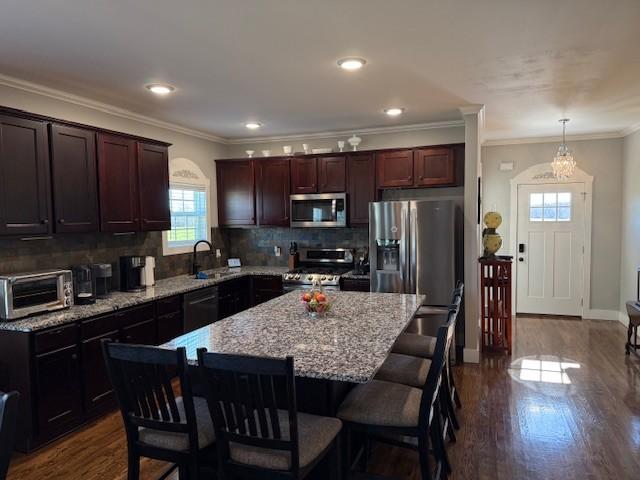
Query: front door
pixel 550 248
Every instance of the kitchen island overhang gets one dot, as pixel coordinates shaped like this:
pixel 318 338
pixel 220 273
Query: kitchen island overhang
pixel 349 344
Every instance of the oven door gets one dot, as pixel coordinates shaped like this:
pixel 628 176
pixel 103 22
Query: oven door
pixel 319 210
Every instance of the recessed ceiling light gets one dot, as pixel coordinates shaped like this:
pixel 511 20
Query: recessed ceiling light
pixel 393 111
pixel 253 125
pixel 352 63
pixel 160 88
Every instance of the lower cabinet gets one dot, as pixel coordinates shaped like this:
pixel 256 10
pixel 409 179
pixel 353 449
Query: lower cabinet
pixel 98 393
pixel 58 391
pixel 235 296
pixel 264 288
pixel 355 284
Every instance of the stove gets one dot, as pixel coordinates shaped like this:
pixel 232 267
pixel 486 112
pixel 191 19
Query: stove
pixel 319 264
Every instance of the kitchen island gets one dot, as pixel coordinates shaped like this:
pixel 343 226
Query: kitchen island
pixel 332 353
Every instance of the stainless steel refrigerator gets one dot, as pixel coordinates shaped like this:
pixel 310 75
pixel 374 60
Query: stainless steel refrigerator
pixel 415 247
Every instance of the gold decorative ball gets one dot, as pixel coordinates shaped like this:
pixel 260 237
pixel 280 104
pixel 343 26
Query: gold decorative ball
pixel 492 219
pixel 491 243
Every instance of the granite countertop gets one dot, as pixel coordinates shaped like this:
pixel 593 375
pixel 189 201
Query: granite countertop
pixel 118 300
pixel 349 344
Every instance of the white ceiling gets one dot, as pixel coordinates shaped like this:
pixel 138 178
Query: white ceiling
pixel 529 62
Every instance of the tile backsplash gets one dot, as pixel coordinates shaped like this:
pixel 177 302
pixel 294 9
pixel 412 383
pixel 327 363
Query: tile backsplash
pixel 254 246
pixel 63 251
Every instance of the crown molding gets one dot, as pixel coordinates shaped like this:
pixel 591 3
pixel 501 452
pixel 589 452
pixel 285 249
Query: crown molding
pixel 630 129
pixel 472 109
pixel 103 107
pixel 338 133
pixel 552 139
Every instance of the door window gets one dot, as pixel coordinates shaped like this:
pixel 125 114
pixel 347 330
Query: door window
pixel 550 207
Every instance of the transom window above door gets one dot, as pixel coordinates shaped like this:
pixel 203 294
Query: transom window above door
pixel 550 207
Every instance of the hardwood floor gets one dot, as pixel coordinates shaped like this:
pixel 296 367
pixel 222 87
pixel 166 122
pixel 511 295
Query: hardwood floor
pixel 566 405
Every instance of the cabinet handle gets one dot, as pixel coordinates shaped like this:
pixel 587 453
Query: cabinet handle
pixel 44 221
pixel 61 220
pixel 74 357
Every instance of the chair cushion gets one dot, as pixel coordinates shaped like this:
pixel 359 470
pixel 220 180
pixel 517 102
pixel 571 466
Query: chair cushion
pixel 180 441
pixel 405 369
pixel 432 310
pixel 382 403
pixel 315 433
pixel 415 344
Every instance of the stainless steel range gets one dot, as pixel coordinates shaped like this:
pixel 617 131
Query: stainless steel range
pixel 322 264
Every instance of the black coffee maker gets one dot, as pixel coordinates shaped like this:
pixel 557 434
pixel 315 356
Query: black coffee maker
pixel 130 278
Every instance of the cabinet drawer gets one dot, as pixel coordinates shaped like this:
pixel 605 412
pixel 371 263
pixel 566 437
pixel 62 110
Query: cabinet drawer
pixel 267 283
pixel 139 314
pixel 101 325
pixel 56 338
pixel 356 285
pixel 168 305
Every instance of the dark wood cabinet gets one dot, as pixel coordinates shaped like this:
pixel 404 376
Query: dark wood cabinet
pixel 355 284
pixel 264 288
pixel 141 333
pixel 25 195
pixel 236 192
pixel 58 391
pixel 394 169
pixel 304 175
pixel 272 191
pixel 361 187
pixel 118 180
pixel 169 318
pixel 434 166
pixel 75 179
pixel 331 174
pixel 234 297
pixel 153 185
pixel 98 392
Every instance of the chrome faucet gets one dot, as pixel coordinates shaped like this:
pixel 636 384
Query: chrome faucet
pixel 194 266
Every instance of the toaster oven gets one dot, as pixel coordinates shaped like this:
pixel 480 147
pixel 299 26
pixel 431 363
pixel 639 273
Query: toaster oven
pixel 24 294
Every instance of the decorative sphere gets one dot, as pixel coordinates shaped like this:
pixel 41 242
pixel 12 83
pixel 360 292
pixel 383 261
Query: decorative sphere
pixel 491 243
pixel 492 219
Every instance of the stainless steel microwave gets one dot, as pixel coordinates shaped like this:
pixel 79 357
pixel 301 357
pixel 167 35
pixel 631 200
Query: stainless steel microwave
pixel 24 294
pixel 319 210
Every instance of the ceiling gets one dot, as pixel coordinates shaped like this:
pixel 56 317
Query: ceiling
pixel 529 62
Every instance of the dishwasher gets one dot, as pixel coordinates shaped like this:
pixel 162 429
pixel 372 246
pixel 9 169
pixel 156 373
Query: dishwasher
pixel 200 308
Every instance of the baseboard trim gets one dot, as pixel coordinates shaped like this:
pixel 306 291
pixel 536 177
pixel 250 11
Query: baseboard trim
pixel 471 355
pixel 601 314
pixel 623 318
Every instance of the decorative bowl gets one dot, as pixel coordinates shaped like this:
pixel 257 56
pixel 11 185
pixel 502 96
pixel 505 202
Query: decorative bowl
pixel 316 304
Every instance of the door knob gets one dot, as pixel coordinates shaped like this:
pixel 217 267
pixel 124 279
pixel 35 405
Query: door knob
pixel 520 259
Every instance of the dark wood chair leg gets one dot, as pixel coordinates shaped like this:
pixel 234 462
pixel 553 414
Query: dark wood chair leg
pixel 452 383
pixel 439 449
pixel 133 467
pixel 336 459
pixel 423 456
pixel 346 461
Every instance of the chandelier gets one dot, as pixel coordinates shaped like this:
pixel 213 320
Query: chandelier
pixel 563 164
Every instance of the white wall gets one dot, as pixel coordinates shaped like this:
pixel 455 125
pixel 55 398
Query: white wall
pixel 600 158
pixel 432 136
pixel 630 258
pixel 202 152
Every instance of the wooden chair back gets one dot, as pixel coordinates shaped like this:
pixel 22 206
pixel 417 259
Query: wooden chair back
pixel 241 394
pixel 435 376
pixel 8 416
pixel 142 378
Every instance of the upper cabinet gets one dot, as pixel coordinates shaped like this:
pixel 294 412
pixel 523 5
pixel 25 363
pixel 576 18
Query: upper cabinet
pixel 394 168
pixel 75 181
pixel 272 191
pixel 25 195
pixel 434 166
pixel 331 174
pixel 304 175
pixel 422 167
pixel 153 185
pixel 118 179
pixel 236 192
pixel 64 177
pixel 361 186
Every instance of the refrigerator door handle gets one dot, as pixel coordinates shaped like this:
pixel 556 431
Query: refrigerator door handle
pixel 413 254
pixel 404 251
